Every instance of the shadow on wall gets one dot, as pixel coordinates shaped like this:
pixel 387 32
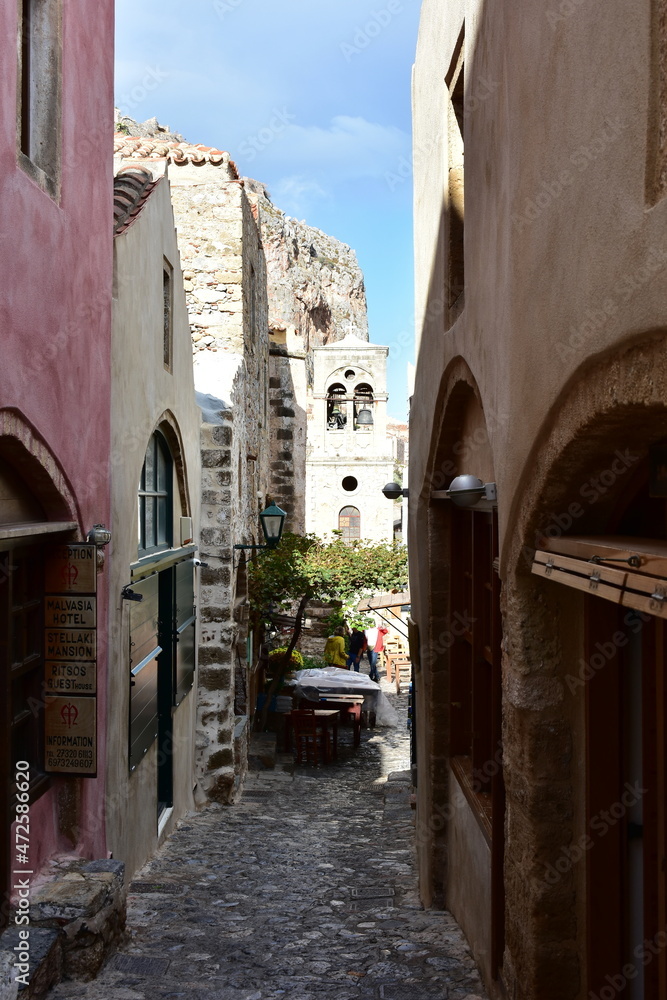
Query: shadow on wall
pixel 287 427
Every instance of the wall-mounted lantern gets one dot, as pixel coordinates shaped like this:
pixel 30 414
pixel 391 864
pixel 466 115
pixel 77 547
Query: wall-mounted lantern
pixel 273 521
pixel 393 491
pixel 99 535
pixel 464 491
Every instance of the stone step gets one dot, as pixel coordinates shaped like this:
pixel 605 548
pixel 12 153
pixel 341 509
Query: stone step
pixel 262 751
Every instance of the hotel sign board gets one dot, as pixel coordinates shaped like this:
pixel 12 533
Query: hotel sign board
pixel 72 569
pixel 70 660
pixel 70 737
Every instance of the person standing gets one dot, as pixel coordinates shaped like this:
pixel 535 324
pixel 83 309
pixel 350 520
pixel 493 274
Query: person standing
pixel 375 639
pixel 357 646
pixel 334 649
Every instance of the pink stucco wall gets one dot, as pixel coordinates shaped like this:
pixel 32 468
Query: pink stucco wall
pixel 55 311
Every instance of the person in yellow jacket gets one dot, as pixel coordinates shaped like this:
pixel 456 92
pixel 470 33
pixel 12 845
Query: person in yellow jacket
pixel 334 649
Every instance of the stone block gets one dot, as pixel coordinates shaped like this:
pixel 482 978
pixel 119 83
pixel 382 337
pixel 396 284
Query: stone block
pixel 222 436
pixel 211 654
pixel 215 679
pixel 221 758
pixel 212 576
pixel 262 751
pixel 9 988
pixel 214 536
pixel 45 962
pixel 215 458
pixel 70 898
pixel 221 788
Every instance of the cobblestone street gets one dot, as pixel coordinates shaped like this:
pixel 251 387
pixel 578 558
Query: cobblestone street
pixel 305 889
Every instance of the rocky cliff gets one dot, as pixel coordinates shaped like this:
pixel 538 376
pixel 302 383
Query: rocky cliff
pixel 316 287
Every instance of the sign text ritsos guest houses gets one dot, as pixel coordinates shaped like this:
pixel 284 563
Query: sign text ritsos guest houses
pixel 70 653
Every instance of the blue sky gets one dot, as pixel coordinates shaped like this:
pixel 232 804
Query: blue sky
pixel 312 97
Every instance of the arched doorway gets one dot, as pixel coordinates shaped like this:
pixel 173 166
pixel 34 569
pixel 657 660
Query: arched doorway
pixel 37 512
pixel 586 568
pixel 460 750
pixel 621 683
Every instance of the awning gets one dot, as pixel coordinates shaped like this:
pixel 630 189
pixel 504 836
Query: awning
pixel 391 600
pixel 631 572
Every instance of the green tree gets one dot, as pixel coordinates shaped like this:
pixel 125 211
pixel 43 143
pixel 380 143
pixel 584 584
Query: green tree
pixel 305 568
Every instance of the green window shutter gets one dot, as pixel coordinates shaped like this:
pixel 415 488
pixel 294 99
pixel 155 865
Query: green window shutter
pixel 144 651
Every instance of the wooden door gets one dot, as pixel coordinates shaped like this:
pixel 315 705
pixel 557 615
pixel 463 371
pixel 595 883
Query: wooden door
pixel 626 809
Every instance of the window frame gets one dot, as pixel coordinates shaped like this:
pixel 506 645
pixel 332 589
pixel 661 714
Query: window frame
pixel 168 315
pixel 39 92
pixel 159 445
pixel 345 536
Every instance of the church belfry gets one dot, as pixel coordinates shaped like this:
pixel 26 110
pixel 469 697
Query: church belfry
pixel 349 457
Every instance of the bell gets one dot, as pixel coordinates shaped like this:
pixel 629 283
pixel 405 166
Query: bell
pixel 365 418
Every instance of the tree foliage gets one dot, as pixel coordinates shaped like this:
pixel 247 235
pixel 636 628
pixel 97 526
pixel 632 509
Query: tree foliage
pixel 304 568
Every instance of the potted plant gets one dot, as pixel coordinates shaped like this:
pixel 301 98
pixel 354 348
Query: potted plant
pixel 276 660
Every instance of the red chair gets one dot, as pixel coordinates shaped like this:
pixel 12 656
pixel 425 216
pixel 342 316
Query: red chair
pixel 352 713
pixel 310 737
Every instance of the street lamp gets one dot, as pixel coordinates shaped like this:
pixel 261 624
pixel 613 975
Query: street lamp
pixel 467 491
pixel 464 491
pixel 272 520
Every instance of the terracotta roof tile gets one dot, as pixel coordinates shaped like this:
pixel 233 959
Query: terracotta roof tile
pixel 179 153
pixel 131 188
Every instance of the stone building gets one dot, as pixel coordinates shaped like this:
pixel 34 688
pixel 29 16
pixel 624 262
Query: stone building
pixel 538 629
pixel 155 507
pixel 225 283
pixel 56 67
pixel 316 296
pixel 349 454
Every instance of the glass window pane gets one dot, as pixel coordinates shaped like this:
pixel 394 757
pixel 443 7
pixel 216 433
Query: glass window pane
pixel 149 467
pixel 162 484
pixel 149 523
pixel 163 533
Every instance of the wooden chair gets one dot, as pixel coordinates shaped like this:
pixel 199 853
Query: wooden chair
pixel 352 713
pixel 310 738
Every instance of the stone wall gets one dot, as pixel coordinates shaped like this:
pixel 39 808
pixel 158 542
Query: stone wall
pixel 316 296
pixel 225 281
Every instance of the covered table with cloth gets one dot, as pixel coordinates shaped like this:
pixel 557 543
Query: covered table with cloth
pixel 322 685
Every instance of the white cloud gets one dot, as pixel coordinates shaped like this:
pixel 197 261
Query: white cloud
pixel 296 195
pixel 349 149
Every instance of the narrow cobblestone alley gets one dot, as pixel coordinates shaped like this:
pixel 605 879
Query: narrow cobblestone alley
pixel 305 889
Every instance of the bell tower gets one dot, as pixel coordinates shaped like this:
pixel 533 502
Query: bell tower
pixel 349 456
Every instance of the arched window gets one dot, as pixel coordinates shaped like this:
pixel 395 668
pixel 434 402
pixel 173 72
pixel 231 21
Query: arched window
pixel 349 523
pixel 336 407
pixel 155 498
pixel 363 404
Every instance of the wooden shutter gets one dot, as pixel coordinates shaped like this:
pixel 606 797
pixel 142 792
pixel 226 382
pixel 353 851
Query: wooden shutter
pixel 144 652
pixel 186 627
pixel 630 572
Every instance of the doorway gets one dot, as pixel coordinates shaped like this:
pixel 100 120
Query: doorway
pixel 627 804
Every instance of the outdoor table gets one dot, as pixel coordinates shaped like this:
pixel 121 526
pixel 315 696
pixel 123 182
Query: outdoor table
pixel 331 686
pixel 327 718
